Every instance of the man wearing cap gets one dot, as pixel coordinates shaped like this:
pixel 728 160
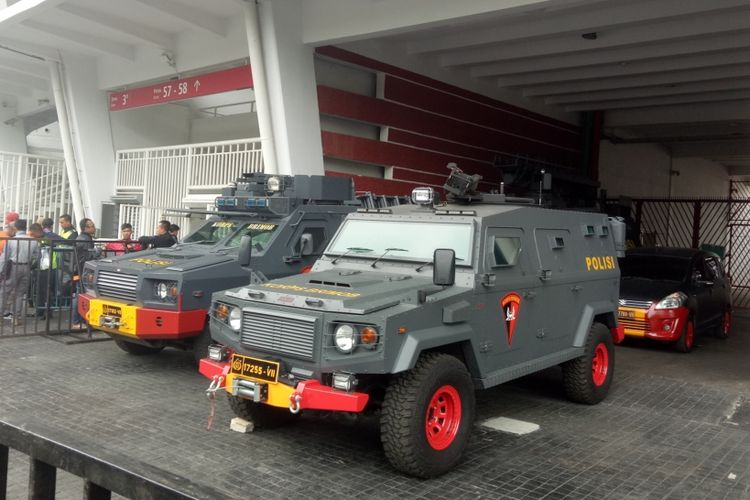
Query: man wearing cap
pixel 6 232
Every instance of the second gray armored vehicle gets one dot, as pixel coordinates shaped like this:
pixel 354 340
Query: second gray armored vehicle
pixel 155 298
pixel 411 309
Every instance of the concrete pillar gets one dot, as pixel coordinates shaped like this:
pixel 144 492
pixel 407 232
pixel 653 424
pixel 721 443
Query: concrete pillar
pixel 91 132
pixel 292 93
pixel 12 134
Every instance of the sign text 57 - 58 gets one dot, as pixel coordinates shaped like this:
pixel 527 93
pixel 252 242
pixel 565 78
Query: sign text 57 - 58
pixel 186 88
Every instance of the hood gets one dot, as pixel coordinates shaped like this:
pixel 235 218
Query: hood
pixel 646 289
pixel 357 292
pixel 179 258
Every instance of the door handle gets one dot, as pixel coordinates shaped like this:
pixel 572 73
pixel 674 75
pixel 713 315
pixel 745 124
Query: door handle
pixel 529 295
pixel 576 288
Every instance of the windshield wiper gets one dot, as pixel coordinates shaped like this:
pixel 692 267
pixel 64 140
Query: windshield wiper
pixel 386 253
pixel 429 262
pixel 350 250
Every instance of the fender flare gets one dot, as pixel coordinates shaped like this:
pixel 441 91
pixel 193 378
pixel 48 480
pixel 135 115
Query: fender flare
pixel 419 341
pixel 590 311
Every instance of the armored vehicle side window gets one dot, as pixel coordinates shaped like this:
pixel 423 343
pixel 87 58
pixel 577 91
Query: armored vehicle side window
pixel 505 250
pixel 318 239
pixel 212 232
pixel 260 232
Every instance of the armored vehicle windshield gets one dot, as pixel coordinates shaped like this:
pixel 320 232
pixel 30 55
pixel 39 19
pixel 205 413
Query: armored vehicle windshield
pixel 215 231
pixel 408 239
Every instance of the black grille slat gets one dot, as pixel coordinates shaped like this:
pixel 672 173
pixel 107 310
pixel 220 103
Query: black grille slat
pixel 117 285
pixel 280 333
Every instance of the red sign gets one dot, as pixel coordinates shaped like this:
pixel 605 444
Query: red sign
pixel 176 90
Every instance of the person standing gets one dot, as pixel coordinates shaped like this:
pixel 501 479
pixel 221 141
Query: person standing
pixel 127 243
pixel 162 239
pixel 10 217
pixel 15 265
pixel 174 230
pixel 84 252
pixel 67 231
pixel 46 276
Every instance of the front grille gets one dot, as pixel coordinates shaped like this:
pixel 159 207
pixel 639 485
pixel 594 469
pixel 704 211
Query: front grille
pixel 633 324
pixel 117 285
pixel 278 332
pixel 637 304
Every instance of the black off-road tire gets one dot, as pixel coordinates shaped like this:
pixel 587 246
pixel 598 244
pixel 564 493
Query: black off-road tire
pixel 404 415
pixel 261 415
pixel 687 340
pixel 200 344
pixel 136 349
pixel 585 379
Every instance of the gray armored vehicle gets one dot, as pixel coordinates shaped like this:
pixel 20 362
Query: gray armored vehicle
pixel 151 299
pixel 411 309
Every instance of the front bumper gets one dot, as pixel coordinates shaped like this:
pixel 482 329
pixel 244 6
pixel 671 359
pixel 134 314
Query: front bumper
pixel 132 321
pixel 656 324
pixel 306 395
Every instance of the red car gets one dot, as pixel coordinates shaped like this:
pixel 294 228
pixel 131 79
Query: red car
pixel 670 294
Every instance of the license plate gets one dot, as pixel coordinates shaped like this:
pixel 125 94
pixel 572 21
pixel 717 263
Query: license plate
pixel 111 311
pixel 254 368
pixel 626 314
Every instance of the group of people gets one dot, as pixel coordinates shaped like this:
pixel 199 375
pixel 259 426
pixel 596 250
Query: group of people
pixel 24 247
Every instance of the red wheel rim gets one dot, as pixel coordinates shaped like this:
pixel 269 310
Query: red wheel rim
pixel 600 364
pixel 443 417
pixel 689 334
pixel 727 323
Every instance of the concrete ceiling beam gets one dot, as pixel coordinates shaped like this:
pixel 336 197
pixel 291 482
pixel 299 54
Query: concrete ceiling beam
pixel 706 25
pixel 671 78
pixel 97 44
pixel 628 69
pixel 723 42
pixel 676 114
pixel 149 36
pixel 620 94
pixel 592 19
pixel 730 95
pixel 27 66
pixel 14 77
pixel 196 18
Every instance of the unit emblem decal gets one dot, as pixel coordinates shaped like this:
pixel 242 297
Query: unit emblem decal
pixel 511 306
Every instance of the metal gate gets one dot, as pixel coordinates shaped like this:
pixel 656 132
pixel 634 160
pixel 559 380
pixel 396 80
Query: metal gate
pixel 721 225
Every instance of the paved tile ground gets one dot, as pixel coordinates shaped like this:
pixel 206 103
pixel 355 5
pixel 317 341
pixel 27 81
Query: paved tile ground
pixel 674 426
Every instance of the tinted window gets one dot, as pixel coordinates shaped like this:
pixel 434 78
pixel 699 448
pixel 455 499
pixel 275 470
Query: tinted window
pixel 655 267
pixel 212 232
pixel 260 232
pixel 505 250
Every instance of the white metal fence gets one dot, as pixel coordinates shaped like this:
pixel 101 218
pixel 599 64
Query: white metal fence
pixel 34 186
pixel 179 176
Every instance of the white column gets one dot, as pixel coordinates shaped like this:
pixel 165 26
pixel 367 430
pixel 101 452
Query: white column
pixel 91 133
pixel 292 93
pixel 63 120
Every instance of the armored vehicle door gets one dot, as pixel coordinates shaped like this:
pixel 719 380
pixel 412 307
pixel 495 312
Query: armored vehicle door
pixel 558 288
pixel 506 312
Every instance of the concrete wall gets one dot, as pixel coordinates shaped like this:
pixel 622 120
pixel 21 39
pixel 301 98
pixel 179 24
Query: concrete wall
pixel 153 126
pixel 224 128
pixel 642 171
pixel 12 135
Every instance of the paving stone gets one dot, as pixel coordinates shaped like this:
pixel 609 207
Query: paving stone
pixel 655 436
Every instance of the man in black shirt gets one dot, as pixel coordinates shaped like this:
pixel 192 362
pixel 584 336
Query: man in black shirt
pixel 162 239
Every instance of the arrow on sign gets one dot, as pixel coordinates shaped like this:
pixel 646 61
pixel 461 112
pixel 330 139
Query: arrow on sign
pixel 197 85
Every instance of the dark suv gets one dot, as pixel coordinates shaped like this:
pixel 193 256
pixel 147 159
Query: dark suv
pixel 669 294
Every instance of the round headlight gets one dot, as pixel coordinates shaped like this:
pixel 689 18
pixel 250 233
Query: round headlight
pixel 235 318
pixel 345 338
pixel 162 290
pixel 273 184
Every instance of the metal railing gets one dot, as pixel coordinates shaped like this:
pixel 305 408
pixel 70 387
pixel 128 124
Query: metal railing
pixel 36 186
pixel 102 476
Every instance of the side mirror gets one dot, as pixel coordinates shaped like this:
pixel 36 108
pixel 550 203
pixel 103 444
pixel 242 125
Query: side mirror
pixel 306 244
pixel 246 250
pixel 444 267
